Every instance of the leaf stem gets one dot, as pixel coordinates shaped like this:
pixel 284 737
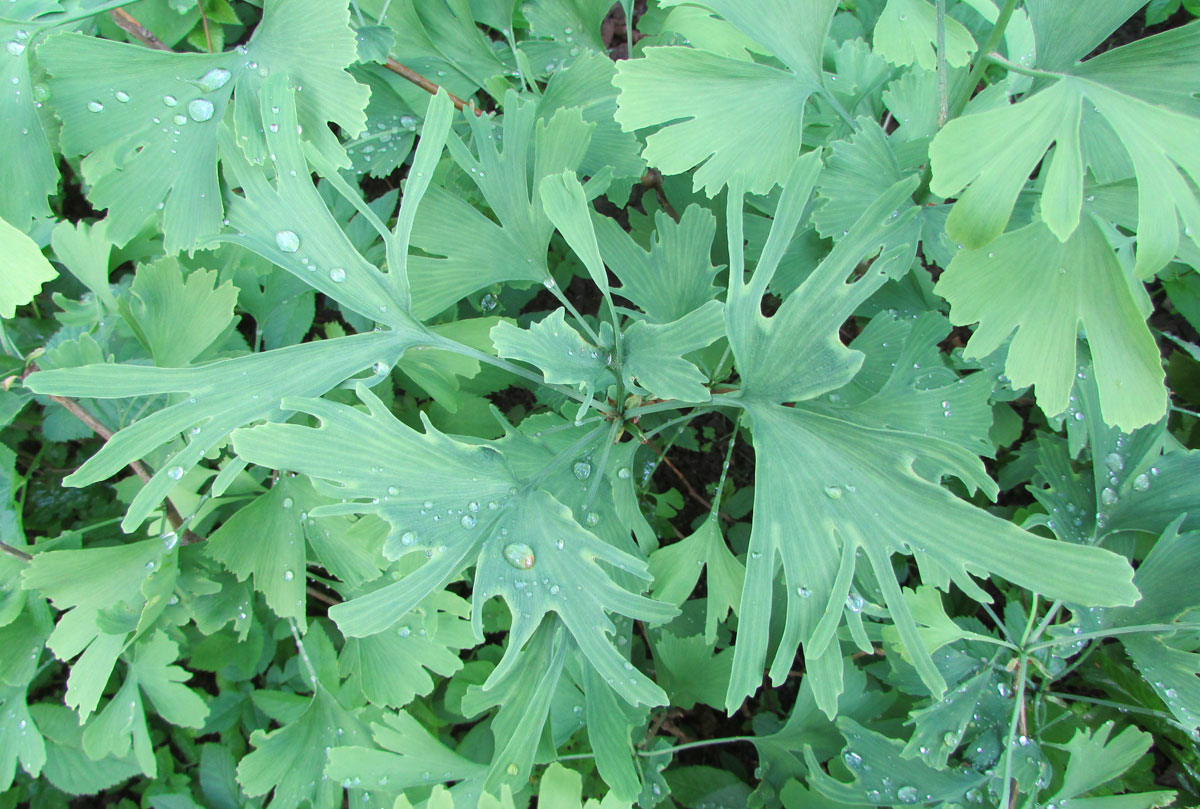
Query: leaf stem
pixel 989 45
pixel 1120 706
pixel 129 24
pixel 1018 716
pixel 1114 631
pixel 662 751
pixel 17 552
pixel 428 86
pixel 997 59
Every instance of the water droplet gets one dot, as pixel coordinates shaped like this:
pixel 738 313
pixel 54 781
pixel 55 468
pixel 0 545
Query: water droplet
pixel 519 555
pixel 1003 690
pixel 408 538
pixel 121 96
pixel 288 575
pixel 175 472
pixel 950 739
pixel 170 101
pixel 393 491
pixel 1114 462
pixel 592 519
pixel 833 492
pixel 15 48
pixel 1141 482
pixel 803 592
pixel 287 241
pixel 907 794
pixel 179 119
pixel 41 92
pixel 468 521
pixel 404 632
pixel 488 302
pixel 170 540
pixel 337 275
pixel 1108 496
pixel 408 122
pixel 583 470
pixel 623 474
pixel 854 602
pixel 512 769
pixel 95 106
pixel 853 760
pixel 201 109
pixel 214 79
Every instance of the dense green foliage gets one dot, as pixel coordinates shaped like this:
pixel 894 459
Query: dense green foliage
pixel 797 413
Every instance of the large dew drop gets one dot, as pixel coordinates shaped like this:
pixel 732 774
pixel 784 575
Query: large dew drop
pixel 583 470
pixel 201 109
pixel 214 79
pixel 907 794
pixel 15 48
pixel 95 106
pixel 337 275
pixel 519 555
pixel 287 241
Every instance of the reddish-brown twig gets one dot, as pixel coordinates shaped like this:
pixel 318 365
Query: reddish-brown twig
pixel 127 23
pixel 426 85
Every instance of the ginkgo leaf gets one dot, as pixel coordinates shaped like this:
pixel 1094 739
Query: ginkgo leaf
pixel 286 762
pixel 27 171
pixel 655 354
pixel 672 278
pixel 221 396
pixel 676 570
pixel 25 270
pixel 523 698
pixel 906 33
pixel 393 667
pixel 873 758
pixel 84 249
pixel 1079 284
pixel 151 133
pixel 289 223
pixel 265 539
pixel 66 577
pixel 850 487
pixel 1161 142
pixel 405 755
pixel 701 92
pixel 472 509
pixel 1096 759
pixel 587 84
pixel 558 350
pixel 177 318
pixel 466 250
pixel 20 738
pixel 121 726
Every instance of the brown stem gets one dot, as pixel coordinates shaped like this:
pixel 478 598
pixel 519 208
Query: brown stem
pixel 127 23
pixel 75 409
pixel 17 552
pixel 204 22
pixel 426 85
pixel 653 179
pixel 691 490
pixel 319 596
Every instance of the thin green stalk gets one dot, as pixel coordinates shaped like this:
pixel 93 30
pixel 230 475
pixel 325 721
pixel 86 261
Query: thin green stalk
pixel 997 59
pixel 668 424
pixel 1118 630
pixel 980 64
pixel 1120 706
pixel 1018 706
pixel 662 751
pixel 733 436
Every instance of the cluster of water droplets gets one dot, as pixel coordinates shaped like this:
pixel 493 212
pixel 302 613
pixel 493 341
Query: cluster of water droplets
pixel 888 791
